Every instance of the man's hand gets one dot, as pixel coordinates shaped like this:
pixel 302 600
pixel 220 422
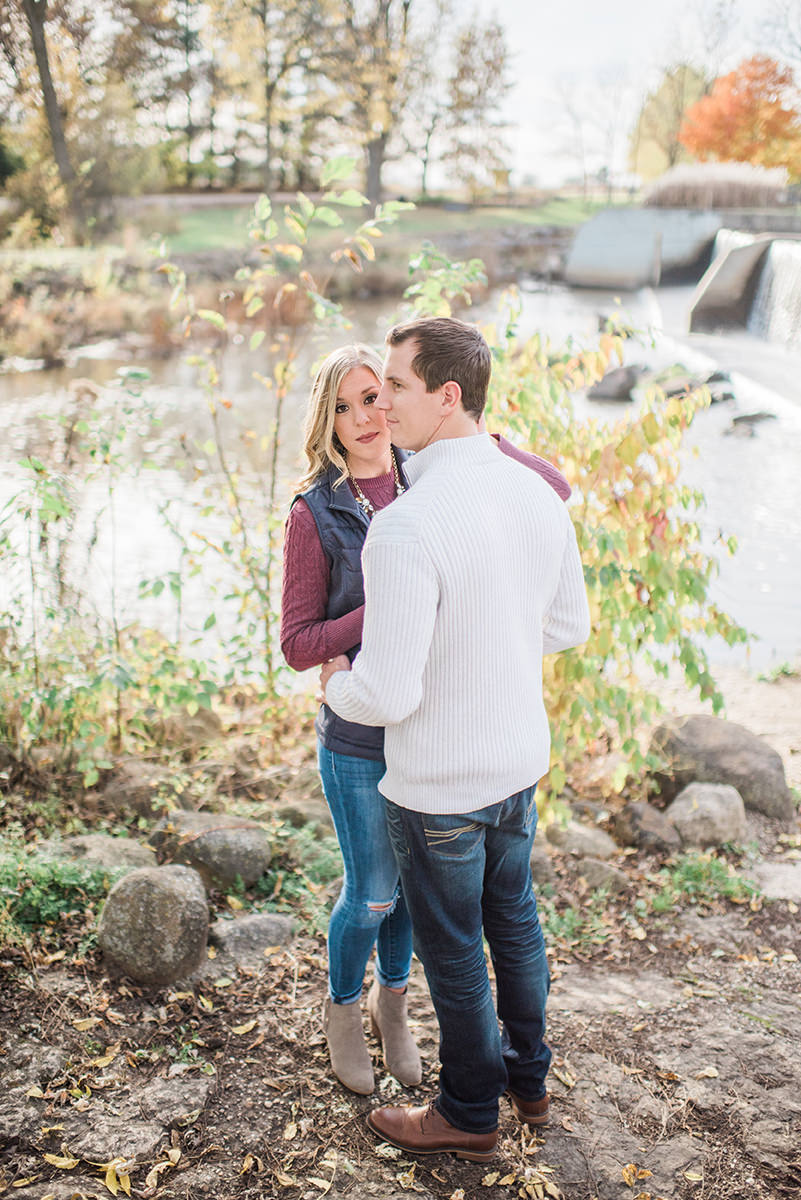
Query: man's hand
pixel 340 663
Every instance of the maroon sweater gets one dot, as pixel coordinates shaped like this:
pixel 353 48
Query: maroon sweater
pixel 307 638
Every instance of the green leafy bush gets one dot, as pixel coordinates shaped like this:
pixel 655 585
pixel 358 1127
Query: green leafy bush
pixel 37 892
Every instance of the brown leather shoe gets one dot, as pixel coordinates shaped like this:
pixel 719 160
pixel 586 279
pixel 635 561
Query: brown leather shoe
pixel 530 1112
pixel 425 1131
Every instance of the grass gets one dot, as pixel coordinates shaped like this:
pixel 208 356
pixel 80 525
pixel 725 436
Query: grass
pixel 221 227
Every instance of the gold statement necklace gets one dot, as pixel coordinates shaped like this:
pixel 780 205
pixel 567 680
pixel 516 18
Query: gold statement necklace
pixel 364 502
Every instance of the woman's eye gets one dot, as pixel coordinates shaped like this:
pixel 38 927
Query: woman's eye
pixel 371 399
pixel 341 408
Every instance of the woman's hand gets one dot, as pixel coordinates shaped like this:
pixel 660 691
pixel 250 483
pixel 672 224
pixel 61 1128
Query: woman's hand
pixel 340 663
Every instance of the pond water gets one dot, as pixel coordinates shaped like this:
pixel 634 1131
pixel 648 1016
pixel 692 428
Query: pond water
pixel 752 483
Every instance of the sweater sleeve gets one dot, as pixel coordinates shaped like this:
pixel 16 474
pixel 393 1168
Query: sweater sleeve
pixel 547 470
pixel 307 638
pixel 385 685
pixel 567 621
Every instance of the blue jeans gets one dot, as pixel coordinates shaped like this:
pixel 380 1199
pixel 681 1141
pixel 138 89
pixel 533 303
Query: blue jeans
pixel 463 874
pixel 370 910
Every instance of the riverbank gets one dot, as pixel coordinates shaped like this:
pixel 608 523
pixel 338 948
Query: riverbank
pixel 53 300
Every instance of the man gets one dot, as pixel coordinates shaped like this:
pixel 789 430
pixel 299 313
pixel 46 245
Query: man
pixel 470 577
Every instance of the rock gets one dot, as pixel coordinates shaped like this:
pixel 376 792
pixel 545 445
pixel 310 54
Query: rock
pixel 598 874
pixel 778 880
pixel 101 850
pixel 616 384
pixel 245 939
pixel 154 924
pixel 542 871
pixel 189 732
pixel 141 788
pixel 711 750
pixel 708 814
pixel 645 827
pixel 584 840
pixel 223 848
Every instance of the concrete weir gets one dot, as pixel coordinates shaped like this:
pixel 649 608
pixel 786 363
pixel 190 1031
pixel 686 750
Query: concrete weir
pixel 725 290
pixel 629 248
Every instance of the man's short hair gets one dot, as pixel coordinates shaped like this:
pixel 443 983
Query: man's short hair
pixel 449 349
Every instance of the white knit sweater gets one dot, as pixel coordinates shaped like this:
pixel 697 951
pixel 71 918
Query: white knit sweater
pixel 470 577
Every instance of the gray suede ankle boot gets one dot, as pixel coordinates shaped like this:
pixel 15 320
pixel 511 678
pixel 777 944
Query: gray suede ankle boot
pixel 387 1011
pixel 350 1059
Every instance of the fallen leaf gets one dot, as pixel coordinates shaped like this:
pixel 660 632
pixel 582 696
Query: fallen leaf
pixel 323 1184
pixel 290 1131
pixel 566 1124
pixel 406 1178
pixel 205 1003
pixel 246 1028
pixel 152 1177
pixel 629 1173
pixel 564 1077
pixel 18 1183
pixel 249 1162
pixel 284 1179
pixel 64 1162
pixel 384 1150
pixel 458 1194
pixel 693 1177
pixel 225 982
pixel 35 1093
pixel 708 1073
pixel 488 1180
pixel 507 1179
pixel 86 1023
pixel 104 1061
pixel 174 1155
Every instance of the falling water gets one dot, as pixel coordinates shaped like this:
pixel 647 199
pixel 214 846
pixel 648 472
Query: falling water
pixel 776 309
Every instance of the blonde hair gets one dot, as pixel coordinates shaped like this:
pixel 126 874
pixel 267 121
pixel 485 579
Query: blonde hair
pixel 320 444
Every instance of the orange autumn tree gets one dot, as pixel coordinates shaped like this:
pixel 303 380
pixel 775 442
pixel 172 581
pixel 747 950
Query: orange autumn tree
pixel 751 115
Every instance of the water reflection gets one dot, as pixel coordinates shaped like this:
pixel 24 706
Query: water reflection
pixel 752 484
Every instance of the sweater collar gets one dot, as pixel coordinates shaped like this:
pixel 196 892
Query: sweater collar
pixel 463 452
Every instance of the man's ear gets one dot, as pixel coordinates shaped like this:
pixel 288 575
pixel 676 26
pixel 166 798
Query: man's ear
pixel 451 396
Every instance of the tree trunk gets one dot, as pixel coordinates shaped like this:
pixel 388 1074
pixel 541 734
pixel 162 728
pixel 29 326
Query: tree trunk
pixel 375 163
pixel 35 13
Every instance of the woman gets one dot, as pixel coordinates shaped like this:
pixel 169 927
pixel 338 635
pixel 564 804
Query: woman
pixel 353 471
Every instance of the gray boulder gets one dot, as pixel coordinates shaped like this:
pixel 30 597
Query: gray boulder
pixel 708 814
pixel 616 384
pixel 222 848
pixel 597 874
pixel 583 840
pixel 645 827
pixel 154 925
pixel 243 940
pixel 140 788
pixel 100 850
pixel 542 872
pixel 711 750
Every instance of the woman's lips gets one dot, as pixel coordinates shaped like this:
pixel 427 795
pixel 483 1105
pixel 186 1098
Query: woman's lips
pixel 367 437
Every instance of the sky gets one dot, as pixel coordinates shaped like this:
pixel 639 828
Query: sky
pixel 589 58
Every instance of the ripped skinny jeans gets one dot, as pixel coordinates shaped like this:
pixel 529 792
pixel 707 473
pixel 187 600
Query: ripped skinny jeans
pixel 370 910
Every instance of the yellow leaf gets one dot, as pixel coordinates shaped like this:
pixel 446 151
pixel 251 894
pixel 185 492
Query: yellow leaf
pixel 708 1073
pixel 211 952
pixel 628 450
pixel 174 1155
pixel 64 1162
pixel 507 1179
pixel 111 1181
pixel 284 1179
pixel 629 1173
pixel 205 1003
pixel 86 1023
pixel 488 1180
pixel 406 1178
pixel 234 902
pixel 650 427
pixel 564 1077
pixel 35 1093
pixel 553 1190
pixel 104 1061
pixel 322 1184
pixel 246 1028
pixel 458 1194
pixel 125 1183
pixel 644 1173
pixel 152 1177
pixel 24 1182
pixel 290 1131
pixel 693 1177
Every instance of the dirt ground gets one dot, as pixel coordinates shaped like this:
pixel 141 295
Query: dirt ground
pixel 676 1071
